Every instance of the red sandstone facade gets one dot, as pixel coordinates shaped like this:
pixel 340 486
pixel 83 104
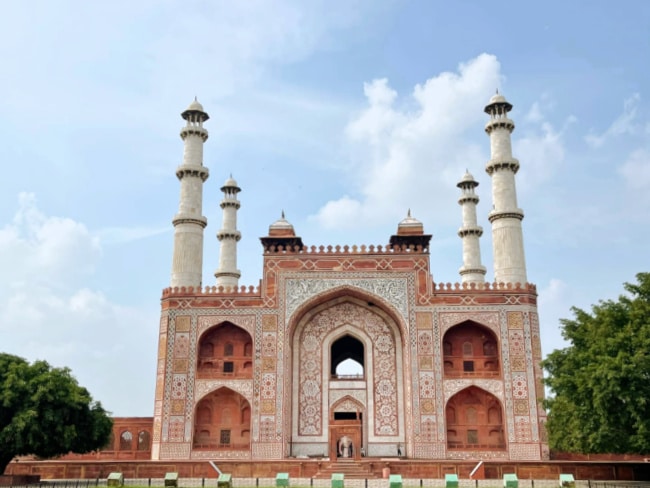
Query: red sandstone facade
pixel 449 371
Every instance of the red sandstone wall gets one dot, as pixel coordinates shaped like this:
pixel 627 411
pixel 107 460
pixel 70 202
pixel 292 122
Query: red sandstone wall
pixel 624 471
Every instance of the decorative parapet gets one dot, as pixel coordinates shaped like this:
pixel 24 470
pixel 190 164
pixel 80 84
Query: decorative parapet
pixel 436 288
pixel 484 287
pixel 253 291
pixel 354 249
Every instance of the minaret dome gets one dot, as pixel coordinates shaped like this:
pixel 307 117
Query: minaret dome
pixel 228 275
pixel 187 261
pixel 472 271
pixel 506 216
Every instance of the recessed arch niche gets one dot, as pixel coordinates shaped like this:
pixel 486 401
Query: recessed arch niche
pixel 222 420
pixel 470 350
pixel 224 350
pixel 474 420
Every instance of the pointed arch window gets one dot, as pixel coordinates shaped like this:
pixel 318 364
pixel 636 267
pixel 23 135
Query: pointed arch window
pixel 126 441
pixel 144 441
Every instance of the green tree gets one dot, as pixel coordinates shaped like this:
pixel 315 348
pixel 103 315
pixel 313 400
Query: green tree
pixel 44 412
pixel 600 383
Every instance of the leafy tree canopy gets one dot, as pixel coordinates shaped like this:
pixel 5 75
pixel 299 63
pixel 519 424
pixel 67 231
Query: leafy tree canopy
pixel 44 412
pixel 600 383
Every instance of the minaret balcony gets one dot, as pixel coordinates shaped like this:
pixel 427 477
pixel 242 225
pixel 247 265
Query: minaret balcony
pixel 504 123
pixel 470 231
pixel 515 213
pixel 195 130
pixel 189 219
pixel 494 165
pixel 230 203
pixel 200 171
pixel 479 270
pixel 228 234
pixel 468 198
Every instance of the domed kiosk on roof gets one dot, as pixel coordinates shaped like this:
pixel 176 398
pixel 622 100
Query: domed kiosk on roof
pixel 281 235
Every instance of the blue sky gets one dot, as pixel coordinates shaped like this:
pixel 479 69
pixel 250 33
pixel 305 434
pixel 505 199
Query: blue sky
pixel 342 113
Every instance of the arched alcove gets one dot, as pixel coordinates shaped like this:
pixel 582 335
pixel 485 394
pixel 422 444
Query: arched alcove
pixel 474 420
pixel 144 440
pixel 222 421
pixel 126 441
pixel 224 351
pixel 470 350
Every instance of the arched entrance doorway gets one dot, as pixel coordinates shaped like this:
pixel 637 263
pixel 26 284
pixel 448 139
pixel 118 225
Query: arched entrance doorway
pixel 346 427
pixel 340 330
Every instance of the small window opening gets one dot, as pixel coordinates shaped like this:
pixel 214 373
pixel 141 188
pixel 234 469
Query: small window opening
pixel 224 437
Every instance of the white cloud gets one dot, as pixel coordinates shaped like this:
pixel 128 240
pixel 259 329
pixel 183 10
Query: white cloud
pixel 410 153
pixel 131 68
pixel 40 249
pixel 623 124
pixel 636 170
pixel 46 313
pixel 541 146
pixel 535 113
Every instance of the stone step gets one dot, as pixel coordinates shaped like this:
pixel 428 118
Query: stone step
pixel 349 468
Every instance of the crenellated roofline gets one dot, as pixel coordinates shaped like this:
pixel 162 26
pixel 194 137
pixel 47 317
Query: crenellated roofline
pixel 346 249
pixel 436 288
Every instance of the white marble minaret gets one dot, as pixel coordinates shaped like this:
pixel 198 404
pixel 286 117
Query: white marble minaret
pixel 472 271
pixel 507 235
pixel 188 223
pixel 228 275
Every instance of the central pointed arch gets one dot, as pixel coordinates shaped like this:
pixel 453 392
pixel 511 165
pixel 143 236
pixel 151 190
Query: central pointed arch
pixel 354 316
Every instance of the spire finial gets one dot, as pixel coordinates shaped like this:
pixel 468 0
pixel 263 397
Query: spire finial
pixel 283 214
pixel 408 214
pixel 497 91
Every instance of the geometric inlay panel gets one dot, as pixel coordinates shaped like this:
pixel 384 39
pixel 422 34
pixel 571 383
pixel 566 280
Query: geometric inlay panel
pixel 246 322
pixel 519 385
pixel 516 340
pixel 243 387
pixel 427 385
pixel 515 320
pixel 393 290
pixel 452 387
pixel 423 320
pixel 521 406
pixel 183 323
pixel 488 319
